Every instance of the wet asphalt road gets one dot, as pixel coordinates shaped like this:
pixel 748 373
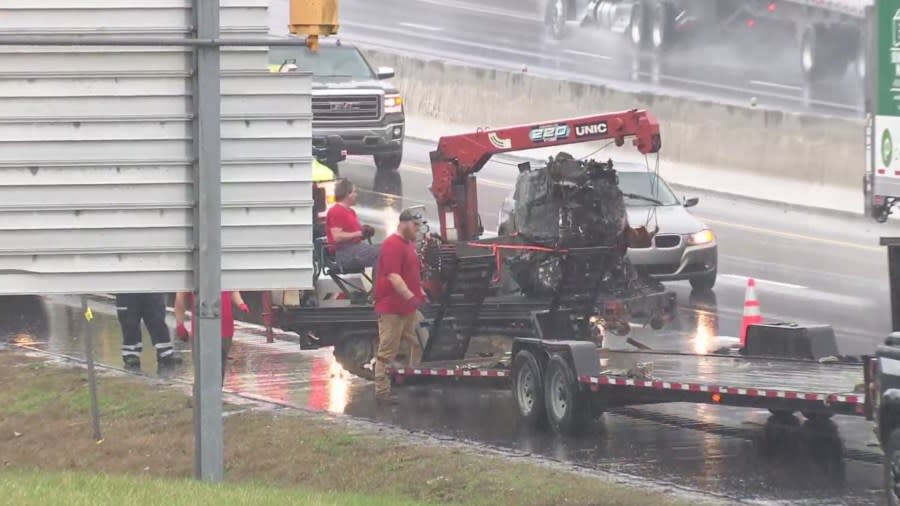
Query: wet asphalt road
pixel 741 455
pixel 509 34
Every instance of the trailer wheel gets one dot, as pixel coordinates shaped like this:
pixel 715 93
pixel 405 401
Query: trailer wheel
pixel 568 408
pixel 528 389
pixel 892 468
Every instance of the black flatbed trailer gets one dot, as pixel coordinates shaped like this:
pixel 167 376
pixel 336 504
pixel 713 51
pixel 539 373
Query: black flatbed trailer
pixel 591 380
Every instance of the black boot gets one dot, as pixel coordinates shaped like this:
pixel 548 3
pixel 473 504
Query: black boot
pixel 169 361
pixel 132 362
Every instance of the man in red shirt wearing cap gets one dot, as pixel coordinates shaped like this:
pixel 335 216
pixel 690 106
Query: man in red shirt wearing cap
pixel 345 233
pixel 398 295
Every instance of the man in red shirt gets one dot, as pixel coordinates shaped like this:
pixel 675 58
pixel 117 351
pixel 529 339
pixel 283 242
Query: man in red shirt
pixel 345 233
pixel 398 295
pixel 227 317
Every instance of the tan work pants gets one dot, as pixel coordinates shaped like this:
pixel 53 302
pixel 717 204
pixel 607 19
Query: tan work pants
pixel 392 330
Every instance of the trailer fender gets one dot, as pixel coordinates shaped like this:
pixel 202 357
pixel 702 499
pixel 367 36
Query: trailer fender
pixel 581 355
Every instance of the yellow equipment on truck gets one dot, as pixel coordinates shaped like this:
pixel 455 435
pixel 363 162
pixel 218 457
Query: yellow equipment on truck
pixel 314 19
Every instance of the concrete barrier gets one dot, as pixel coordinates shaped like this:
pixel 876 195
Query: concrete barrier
pixel 818 150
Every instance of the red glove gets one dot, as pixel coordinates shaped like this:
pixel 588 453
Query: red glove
pixel 182 332
pixel 244 308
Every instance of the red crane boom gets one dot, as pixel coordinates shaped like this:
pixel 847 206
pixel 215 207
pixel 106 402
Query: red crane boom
pixel 458 157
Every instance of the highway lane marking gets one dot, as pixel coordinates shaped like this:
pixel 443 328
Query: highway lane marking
pixel 777 85
pixel 792 235
pixel 481 9
pixel 417 26
pixel 589 55
pixel 481 180
pixel 872 284
pixel 449 40
pixel 744 279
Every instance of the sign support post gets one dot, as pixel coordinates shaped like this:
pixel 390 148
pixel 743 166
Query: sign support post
pixel 208 426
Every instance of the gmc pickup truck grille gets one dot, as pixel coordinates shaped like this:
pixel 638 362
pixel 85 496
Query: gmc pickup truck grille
pixel 334 108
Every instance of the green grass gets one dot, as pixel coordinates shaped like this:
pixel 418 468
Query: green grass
pixel 146 455
pixel 76 489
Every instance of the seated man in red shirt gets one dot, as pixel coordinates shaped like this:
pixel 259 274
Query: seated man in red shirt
pixel 345 233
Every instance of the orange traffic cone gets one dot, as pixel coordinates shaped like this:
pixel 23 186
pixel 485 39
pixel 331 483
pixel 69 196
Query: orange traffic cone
pixel 752 315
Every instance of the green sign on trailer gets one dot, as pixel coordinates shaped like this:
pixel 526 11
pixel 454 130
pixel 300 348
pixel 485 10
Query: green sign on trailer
pixel 886 134
pixel 888 57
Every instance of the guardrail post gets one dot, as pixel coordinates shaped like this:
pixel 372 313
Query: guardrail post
pixel 267 315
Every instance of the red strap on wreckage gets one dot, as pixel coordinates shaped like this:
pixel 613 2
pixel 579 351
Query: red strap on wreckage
pixel 497 248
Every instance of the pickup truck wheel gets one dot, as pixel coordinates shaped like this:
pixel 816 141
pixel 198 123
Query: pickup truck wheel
pixel 892 468
pixel 388 161
pixel 568 407
pixel 528 389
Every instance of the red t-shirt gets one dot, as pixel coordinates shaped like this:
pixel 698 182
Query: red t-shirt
pixel 398 256
pixel 227 315
pixel 344 218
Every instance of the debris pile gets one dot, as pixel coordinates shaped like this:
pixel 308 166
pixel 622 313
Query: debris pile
pixel 572 215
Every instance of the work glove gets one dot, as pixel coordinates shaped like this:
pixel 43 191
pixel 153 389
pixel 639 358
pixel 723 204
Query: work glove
pixel 418 301
pixel 367 232
pixel 244 308
pixel 182 332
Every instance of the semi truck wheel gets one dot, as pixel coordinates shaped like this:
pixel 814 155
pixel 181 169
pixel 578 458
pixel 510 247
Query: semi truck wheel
pixel 637 31
pixel 662 21
pixel 892 468
pixel 528 389
pixel 860 64
pixel 555 14
pixel 809 54
pixel 826 52
pixel 568 408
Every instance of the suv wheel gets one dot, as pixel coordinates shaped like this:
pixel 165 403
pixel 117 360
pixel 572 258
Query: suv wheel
pixel 388 161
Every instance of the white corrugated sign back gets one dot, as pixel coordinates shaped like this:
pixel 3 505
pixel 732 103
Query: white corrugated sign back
pixel 96 158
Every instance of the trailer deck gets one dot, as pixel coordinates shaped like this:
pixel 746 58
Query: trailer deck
pixel 640 377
